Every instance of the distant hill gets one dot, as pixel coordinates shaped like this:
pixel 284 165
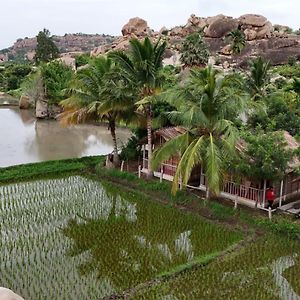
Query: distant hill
pixel 23 49
pixel 276 43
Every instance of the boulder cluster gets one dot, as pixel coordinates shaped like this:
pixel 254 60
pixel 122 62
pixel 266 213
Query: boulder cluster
pixel 253 26
pixel 274 43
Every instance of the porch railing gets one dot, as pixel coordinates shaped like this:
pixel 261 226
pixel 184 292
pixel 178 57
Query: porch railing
pixel 244 191
pixel 165 168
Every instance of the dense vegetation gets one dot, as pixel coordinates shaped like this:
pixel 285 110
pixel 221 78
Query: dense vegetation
pixel 217 110
pixel 84 234
pixel 12 75
pixel 56 77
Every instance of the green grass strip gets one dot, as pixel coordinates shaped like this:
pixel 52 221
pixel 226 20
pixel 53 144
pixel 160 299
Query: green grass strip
pixel 44 169
pixel 200 261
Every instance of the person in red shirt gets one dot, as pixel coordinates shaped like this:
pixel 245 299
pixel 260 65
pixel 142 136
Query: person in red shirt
pixel 270 196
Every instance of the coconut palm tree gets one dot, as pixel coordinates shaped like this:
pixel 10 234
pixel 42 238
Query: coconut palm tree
pixel 258 78
pixel 141 67
pixel 99 94
pixel 206 106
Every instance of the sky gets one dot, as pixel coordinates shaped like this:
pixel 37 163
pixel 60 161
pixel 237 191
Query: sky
pixel 25 18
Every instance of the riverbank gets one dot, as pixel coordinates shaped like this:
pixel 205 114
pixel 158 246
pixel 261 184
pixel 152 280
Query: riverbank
pixel 7 100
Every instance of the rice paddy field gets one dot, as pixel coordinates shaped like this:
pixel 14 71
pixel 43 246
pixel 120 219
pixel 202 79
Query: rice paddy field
pixel 77 238
pixel 267 269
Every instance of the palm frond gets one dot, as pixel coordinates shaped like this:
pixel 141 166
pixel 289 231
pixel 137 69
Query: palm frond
pixel 125 63
pixel 213 165
pixel 173 147
pixel 194 157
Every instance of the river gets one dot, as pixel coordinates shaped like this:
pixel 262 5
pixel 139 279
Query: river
pixel 25 139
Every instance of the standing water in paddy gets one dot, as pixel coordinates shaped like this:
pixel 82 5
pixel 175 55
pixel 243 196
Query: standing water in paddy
pixel 23 139
pixel 74 238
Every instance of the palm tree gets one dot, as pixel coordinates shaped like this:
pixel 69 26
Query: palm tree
pixel 238 41
pixel 258 78
pixel 206 106
pixel 141 67
pixel 99 94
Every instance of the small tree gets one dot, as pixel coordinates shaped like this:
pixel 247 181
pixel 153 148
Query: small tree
pixel 56 78
pixel 194 51
pixel 259 78
pixel 45 50
pixel 266 156
pixel 238 41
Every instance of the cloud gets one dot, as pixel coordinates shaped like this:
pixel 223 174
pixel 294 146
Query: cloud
pixel 26 17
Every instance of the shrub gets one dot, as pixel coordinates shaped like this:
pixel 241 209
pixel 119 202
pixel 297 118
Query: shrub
pixel 194 51
pixel 238 40
pixel 292 60
pixel 132 150
pixel 56 78
pixel 265 156
pixel 82 60
pixel 12 76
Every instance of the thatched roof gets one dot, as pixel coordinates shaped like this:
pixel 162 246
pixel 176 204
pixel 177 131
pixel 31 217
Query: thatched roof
pixel 169 133
pixel 291 144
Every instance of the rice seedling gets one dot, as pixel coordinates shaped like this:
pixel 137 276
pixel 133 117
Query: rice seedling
pixel 267 270
pixel 75 238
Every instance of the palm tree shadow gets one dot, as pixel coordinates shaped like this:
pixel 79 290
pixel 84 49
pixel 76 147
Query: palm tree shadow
pixel 124 248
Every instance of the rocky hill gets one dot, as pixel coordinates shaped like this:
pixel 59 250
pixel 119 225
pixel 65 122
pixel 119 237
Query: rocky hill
pixel 24 48
pixel 276 43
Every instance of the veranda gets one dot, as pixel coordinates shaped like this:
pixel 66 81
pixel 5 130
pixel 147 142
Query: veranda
pixel 247 192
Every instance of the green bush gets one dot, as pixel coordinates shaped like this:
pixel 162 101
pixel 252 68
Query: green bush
pixel 82 60
pixel 194 51
pixel 281 226
pixel 56 78
pixel 12 75
pixel 238 41
pixel 132 150
pixel 287 71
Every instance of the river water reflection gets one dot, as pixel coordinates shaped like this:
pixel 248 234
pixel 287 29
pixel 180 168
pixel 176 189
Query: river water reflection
pixel 24 139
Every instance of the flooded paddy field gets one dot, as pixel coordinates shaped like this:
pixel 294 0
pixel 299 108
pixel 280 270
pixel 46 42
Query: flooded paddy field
pixel 76 238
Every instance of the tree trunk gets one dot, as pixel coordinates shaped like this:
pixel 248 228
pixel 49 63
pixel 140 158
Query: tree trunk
pixel 116 158
pixel 149 136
